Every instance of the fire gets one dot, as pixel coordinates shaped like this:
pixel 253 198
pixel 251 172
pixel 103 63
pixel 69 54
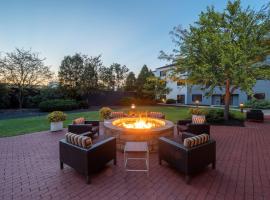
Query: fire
pixel 138 124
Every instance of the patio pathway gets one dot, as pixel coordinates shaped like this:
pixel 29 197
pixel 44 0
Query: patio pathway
pixel 29 169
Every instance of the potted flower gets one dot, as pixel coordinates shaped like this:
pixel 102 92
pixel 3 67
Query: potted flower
pixel 198 115
pixel 56 119
pixel 105 113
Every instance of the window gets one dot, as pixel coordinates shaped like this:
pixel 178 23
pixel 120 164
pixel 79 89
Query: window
pixel 267 59
pixel 259 95
pixel 181 98
pixel 162 73
pixel 197 97
pixel 181 82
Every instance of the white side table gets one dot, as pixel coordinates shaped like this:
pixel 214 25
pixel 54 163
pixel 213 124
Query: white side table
pixel 136 147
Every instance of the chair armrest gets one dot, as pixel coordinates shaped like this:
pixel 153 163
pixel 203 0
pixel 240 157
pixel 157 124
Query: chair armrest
pixel 184 122
pixel 79 128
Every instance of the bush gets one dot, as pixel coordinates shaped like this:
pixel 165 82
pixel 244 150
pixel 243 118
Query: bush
pixel 57 116
pixel 258 104
pixel 105 113
pixel 214 116
pixel 170 101
pixel 196 111
pixel 58 104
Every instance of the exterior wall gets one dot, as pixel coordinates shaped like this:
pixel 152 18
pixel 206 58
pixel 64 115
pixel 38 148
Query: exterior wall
pixel 262 86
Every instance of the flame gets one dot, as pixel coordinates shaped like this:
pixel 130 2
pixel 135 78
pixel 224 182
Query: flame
pixel 138 124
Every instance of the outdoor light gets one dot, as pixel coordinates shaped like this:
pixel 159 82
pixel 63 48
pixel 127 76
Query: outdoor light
pixel 133 106
pixel 241 107
pixel 163 100
pixel 197 102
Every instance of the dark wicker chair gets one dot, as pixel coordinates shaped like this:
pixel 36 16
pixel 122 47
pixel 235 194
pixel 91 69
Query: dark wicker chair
pixel 188 126
pixel 187 160
pixel 88 126
pixel 88 161
pixel 255 115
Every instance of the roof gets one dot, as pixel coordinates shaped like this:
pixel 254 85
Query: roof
pixel 170 65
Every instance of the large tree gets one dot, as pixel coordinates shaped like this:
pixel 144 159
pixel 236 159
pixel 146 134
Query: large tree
pixel 24 69
pixel 221 49
pixel 113 77
pixel 155 88
pixel 142 77
pixel 78 74
pixel 130 84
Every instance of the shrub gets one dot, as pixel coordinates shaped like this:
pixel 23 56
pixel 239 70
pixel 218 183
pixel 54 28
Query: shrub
pixel 258 104
pixel 58 104
pixel 197 111
pixel 105 113
pixel 57 116
pixel 236 116
pixel 170 101
pixel 214 116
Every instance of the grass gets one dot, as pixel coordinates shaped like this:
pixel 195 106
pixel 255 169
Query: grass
pixel 19 126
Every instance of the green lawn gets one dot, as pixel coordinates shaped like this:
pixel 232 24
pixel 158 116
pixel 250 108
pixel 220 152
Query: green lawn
pixel 12 127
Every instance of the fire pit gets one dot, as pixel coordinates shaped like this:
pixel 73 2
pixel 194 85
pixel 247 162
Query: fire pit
pixel 138 129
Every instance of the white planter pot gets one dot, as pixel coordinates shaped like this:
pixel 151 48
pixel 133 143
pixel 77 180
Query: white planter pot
pixel 198 119
pixel 56 126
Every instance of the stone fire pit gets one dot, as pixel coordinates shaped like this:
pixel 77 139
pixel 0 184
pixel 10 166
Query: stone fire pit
pixel 138 129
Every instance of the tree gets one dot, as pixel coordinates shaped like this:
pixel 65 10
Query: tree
pixel 24 70
pixel 220 49
pixel 130 84
pixel 155 88
pixel 143 75
pixel 4 96
pixel 70 74
pixel 113 77
pixel 78 74
pixel 120 75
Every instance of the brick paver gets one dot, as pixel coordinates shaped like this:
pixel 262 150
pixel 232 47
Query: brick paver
pixel 29 169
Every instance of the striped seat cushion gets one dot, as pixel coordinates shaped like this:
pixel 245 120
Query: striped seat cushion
pixel 80 120
pixel 198 119
pixel 79 140
pixel 117 114
pixel 196 140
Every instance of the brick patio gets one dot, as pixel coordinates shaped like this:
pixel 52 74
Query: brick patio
pixel 29 169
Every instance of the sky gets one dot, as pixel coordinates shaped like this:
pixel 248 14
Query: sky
pixel 129 32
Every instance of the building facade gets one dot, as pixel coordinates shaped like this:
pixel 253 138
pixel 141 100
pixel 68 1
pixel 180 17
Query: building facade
pixel 185 93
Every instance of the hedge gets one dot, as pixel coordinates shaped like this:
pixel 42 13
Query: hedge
pixel 58 104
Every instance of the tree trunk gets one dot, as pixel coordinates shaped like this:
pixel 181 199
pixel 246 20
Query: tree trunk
pixel 20 99
pixel 227 100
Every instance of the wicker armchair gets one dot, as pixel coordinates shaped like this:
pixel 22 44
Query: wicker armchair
pixel 88 161
pixel 187 160
pixel 88 126
pixel 188 126
pixel 159 115
pixel 255 115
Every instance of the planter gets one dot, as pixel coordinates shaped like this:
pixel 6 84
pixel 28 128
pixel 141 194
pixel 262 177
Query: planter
pixel 198 119
pixel 56 126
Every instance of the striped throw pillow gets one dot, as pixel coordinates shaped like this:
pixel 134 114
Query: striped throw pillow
pixel 196 140
pixel 198 119
pixel 80 120
pixel 79 140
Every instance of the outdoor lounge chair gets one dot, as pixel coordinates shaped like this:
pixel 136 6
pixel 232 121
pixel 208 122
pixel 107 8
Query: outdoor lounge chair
pixel 188 160
pixel 87 126
pixel 88 160
pixel 188 126
pixel 255 115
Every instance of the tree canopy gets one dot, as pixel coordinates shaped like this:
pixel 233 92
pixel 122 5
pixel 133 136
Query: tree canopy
pixel 24 69
pixel 141 80
pixel 222 47
pixel 130 84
